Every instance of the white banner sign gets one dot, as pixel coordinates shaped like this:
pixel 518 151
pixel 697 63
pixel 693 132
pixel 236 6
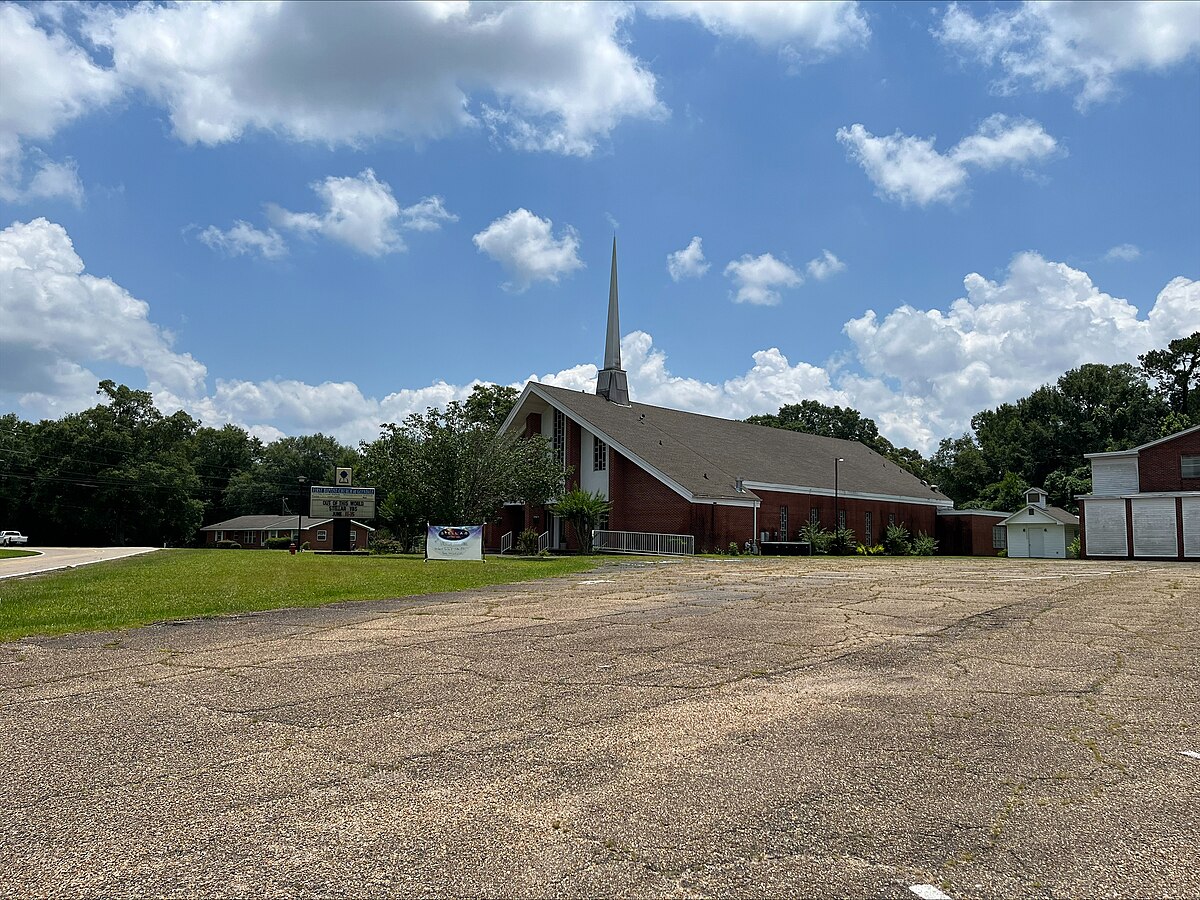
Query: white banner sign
pixel 341 502
pixel 454 542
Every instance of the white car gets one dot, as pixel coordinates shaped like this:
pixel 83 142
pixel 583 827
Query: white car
pixel 9 538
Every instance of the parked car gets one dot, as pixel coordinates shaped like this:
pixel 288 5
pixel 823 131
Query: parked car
pixel 9 538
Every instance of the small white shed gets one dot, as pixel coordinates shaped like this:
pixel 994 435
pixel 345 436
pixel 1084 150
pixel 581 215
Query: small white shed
pixel 1038 531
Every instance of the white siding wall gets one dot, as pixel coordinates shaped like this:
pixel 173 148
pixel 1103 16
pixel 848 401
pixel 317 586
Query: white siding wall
pixel 1154 532
pixel 1105 521
pixel 589 479
pixel 1054 541
pixel 1191 527
pixel 1113 477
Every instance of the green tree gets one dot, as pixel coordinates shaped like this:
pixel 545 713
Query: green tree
pixel 490 404
pixel 1175 372
pixel 275 477
pixel 1005 495
pixel 217 455
pixel 447 467
pixel 583 510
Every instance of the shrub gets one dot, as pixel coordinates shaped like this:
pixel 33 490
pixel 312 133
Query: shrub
pixel 386 544
pixel 1073 549
pixel 228 545
pixel 844 541
pixel 897 540
pixel 1000 554
pixel 864 550
pixel 527 542
pixel 817 537
pixel 278 543
pixel 733 549
pixel 305 546
pixel 923 545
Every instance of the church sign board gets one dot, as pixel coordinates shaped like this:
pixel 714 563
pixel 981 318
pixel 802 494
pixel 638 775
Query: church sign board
pixel 336 502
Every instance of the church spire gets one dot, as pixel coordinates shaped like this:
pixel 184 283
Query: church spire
pixel 611 382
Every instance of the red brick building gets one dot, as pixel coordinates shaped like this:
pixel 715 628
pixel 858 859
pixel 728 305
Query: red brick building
pixel 724 482
pixel 1145 501
pixel 252 532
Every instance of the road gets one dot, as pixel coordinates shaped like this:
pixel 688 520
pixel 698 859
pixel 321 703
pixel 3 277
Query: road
pixel 52 558
pixel 750 728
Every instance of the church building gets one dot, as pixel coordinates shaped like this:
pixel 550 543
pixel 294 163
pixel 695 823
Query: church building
pixel 723 482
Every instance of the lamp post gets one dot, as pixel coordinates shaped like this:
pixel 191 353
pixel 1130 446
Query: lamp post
pixel 837 506
pixel 300 513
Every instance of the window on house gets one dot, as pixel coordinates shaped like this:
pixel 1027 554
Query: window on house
pixel 251 537
pixel 868 529
pixel 1189 465
pixel 220 535
pixel 353 536
pixel 322 535
pixel 1031 511
pixel 999 537
pixel 841 518
pixel 560 437
pixel 783 523
pixel 599 455
pixel 814 515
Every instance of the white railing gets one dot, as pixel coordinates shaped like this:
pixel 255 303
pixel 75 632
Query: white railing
pixel 505 542
pixel 543 541
pixel 643 542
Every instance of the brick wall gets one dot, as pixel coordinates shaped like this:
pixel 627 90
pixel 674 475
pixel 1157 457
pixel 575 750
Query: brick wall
pixel 966 535
pixel 914 517
pixel 640 502
pixel 1159 466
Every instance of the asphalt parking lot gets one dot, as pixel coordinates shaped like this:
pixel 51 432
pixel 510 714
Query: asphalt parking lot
pixel 752 728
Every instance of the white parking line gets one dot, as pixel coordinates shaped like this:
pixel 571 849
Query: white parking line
pixel 928 892
pixel 1192 753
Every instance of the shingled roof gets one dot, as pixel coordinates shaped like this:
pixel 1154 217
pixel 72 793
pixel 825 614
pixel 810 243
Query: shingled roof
pixel 704 456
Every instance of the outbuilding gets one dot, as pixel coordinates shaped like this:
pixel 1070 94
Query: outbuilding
pixel 1040 531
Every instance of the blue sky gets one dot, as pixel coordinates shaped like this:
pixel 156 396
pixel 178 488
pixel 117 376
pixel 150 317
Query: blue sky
pixel 312 217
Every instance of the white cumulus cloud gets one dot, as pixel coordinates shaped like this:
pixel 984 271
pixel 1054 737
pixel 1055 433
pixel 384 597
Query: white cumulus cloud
pixel 59 321
pixel 545 76
pixel 909 169
pixel 759 278
pixel 688 262
pixel 47 82
pixel 362 213
pixel 243 239
pixel 1083 47
pixel 825 266
pixel 525 245
pixel 801 30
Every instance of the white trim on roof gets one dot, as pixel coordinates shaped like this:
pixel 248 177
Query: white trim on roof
pixel 678 488
pixel 1040 516
pixel 1138 495
pixel 849 495
pixel 1134 451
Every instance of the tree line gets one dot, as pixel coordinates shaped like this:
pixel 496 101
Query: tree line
pixel 1039 440
pixel 123 472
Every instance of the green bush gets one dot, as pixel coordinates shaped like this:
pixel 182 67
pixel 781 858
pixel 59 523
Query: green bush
pixel 733 549
pixel 386 544
pixel 1073 549
pixel 1001 553
pixel 228 545
pixel 864 550
pixel 923 545
pixel 527 542
pixel 817 537
pixel 278 543
pixel 896 541
pixel 844 541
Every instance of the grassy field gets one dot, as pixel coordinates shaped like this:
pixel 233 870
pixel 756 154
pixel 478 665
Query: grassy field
pixel 9 553
pixel 177 584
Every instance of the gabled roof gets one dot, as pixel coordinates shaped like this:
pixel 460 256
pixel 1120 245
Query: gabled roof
pixel 702 457
pixel 271 523
pixel 1134 451
pixel 1054 513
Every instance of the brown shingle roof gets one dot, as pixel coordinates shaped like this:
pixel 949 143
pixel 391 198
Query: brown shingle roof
pixel 706 455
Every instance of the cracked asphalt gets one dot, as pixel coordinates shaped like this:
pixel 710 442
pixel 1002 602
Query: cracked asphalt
pixel 829 727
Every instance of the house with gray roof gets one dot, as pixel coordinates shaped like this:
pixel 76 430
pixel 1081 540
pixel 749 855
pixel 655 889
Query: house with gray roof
pixel 252 532
pixel 1040 531
pixel 665 471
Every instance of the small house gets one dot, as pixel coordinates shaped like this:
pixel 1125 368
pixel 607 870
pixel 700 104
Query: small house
pixel 1040 531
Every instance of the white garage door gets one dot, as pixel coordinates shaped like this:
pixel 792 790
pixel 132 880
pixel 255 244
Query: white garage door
pixel 1191 527
pixel 1105 525
pixel 1154 532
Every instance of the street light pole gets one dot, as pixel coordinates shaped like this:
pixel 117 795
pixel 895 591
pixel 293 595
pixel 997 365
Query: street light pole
pixel 837 505
pixel 300 514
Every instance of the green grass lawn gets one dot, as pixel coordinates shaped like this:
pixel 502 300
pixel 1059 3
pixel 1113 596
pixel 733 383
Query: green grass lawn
pixel 177 584
pixel 9 553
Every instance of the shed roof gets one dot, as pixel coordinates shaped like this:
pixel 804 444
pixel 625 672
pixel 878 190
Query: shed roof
pixel 271 523
pixel 1060 516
